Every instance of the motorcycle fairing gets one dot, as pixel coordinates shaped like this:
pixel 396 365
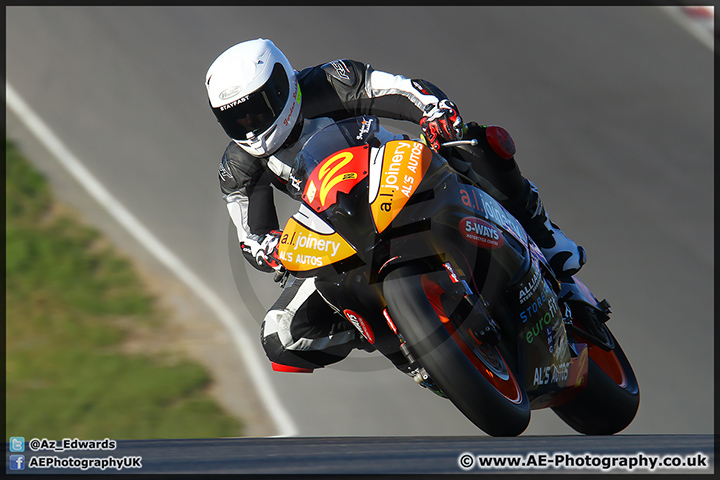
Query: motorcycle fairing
pixel 361 324
pixel 308 243
pixel 575 381
pixel 362 307
pixel 490 209
pixel 531 293
pixel 541 334
pixel 337 173
pixel 396 170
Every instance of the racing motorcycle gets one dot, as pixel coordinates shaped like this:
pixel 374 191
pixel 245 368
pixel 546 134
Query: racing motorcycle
pixel 432 270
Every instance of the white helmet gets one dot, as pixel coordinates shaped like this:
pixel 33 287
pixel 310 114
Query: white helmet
pixel 254 93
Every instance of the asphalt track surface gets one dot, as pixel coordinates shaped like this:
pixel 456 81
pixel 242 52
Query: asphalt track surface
pixel 611 110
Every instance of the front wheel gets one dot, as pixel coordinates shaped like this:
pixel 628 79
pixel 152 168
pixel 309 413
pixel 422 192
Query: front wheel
pixel 473 375
pixel 610 400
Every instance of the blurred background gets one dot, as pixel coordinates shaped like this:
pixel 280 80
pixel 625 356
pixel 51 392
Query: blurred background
pixel 611 110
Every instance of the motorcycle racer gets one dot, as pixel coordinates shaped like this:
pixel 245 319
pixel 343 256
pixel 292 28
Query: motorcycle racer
pixel 269 111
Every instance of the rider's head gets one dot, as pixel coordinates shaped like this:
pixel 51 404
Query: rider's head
pixel 254 93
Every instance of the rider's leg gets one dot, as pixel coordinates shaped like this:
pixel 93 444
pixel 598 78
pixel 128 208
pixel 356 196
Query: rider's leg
pixel 493 161
pixel 301 330
pixel 563 254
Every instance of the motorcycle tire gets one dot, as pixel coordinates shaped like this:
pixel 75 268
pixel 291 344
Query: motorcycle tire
pixel 610 400
pixel 498 407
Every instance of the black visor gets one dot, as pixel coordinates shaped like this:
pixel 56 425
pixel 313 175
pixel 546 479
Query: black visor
pixel 256 112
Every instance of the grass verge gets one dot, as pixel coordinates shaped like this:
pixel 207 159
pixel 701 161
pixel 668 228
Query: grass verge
pixel 69 298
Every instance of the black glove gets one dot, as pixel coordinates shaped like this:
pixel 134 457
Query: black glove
pixel 442 123
pixel 263 252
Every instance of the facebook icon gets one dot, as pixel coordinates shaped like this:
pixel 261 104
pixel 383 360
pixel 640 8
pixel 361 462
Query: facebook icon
pixel 17 462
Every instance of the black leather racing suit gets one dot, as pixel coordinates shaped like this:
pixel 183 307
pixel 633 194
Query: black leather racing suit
pixel 300 329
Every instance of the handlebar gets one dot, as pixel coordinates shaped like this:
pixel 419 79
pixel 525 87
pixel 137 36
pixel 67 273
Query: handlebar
pixel 458 143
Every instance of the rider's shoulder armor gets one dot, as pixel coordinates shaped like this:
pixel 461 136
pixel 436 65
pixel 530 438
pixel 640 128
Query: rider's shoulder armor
pixel 333 89
pixel 238 169
pixel 344 71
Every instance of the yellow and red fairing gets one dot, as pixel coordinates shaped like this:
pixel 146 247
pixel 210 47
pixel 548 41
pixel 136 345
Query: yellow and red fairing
pixel 339 172
pixel 394 177
pixel 302 249
pixel 395 172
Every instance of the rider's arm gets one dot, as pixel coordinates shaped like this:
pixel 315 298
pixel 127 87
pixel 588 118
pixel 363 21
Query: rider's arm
pixel 245 184
pixel 345 88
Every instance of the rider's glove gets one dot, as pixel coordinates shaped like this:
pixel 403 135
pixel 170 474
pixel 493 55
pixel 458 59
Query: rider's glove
pixel 263 253
pixel 442 123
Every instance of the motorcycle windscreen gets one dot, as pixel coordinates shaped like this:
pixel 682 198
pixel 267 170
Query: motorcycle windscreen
pixel 325 147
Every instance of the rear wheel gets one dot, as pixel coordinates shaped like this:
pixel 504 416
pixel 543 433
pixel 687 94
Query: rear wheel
pixel 610 400
pixel 473 374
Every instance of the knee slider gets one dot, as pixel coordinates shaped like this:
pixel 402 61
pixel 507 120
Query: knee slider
pixel 273 347
pixel 283 360
pixel 500 141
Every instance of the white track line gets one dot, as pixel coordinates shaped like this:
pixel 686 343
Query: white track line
pixel 245 346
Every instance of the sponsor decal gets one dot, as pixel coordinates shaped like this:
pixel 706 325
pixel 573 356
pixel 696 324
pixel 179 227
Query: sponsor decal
pixel 364 128
pixel 551 342
pixel 404 164
pixel 470 199
pixel 451 272
pixel 294 182
pixel 481 233
pixel 527 290
pixel 536 306
pixel 551 374
pixel 229 93
pixel 361 324
pixel 338 173
pixel 498 214
pixel 302 249
pixel 536 329
pixel 545 302
pixel 544 299
pixel 296 94
pixel 420 88
pixel 233 103
pixel 224 174
pixel 341 69
pixel 491 210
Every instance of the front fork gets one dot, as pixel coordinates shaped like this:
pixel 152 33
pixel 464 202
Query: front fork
pixel 464 309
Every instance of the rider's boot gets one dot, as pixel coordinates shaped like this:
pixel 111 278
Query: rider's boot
pixel 563 254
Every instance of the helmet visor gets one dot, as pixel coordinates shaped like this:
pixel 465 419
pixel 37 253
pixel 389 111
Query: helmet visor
pixel 256 112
